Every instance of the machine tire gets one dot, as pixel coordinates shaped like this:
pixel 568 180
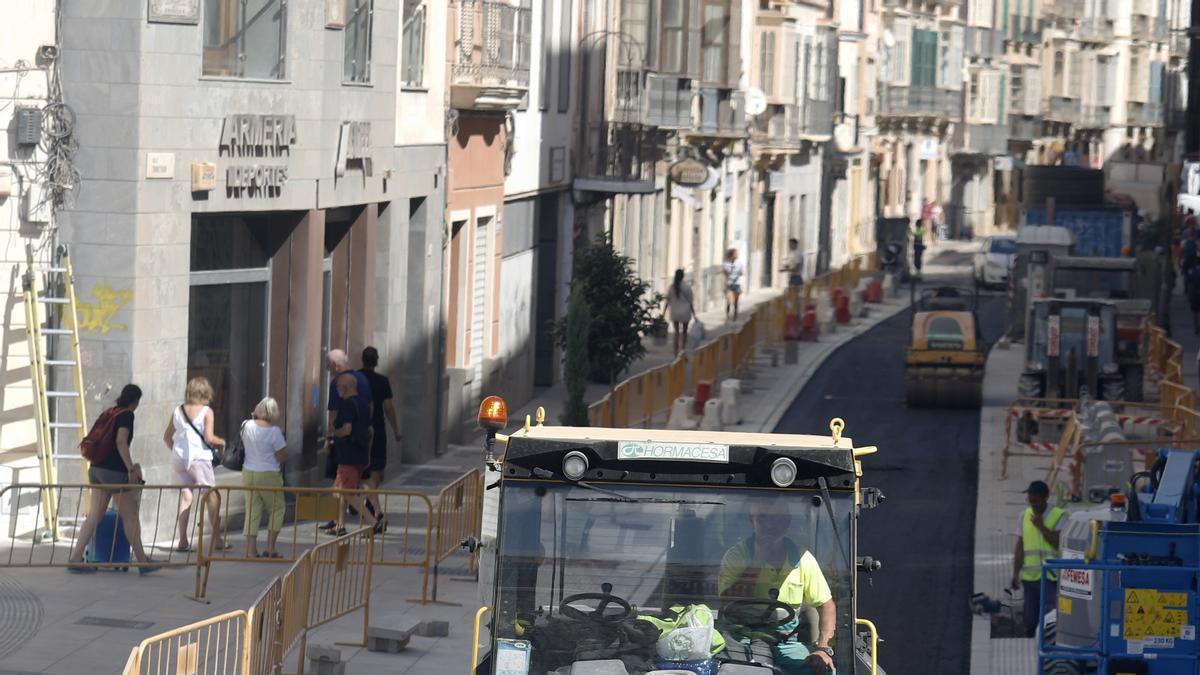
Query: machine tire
pixel 1113 390
pixel 1134 383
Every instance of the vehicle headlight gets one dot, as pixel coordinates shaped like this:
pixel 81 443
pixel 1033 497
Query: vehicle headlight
pixel 575 464
pixel 1110 369
pixel 783 472
pixel 1035 366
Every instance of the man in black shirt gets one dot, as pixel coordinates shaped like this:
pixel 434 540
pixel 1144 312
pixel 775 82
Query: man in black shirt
pixel 383 412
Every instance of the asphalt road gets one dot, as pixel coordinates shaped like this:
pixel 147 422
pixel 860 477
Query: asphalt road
pixel 927 469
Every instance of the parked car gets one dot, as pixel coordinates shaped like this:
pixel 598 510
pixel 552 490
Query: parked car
pixel 994 259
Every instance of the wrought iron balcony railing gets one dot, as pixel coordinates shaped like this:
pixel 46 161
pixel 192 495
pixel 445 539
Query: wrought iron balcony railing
pixel 1096 29
pixel 1024 128
pixel 722 112
pixel 1062 109
pixel 1144 114
pixel 492 45
pixel 919 101
pixel 1095 117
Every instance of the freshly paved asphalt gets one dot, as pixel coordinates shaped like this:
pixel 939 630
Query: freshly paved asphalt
pixel 927 469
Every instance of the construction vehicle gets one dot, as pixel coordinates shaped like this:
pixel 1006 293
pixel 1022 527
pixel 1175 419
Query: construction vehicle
pixel 943 364
pixel 1070 351
pixel 1117 281
pixel 1127 600
pixel 595 542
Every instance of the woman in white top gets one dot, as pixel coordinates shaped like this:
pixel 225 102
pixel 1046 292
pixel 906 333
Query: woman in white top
pixel 733 270
pixel 190 437
pixel 680 309
pixel 266 451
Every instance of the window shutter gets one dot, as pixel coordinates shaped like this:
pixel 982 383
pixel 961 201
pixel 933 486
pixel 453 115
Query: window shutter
pixel 733 57
pixel 1000 99
pixel 903 51
pixel 956 57
pixel 1033 91
pixel 1100 76
pixel 692 57
pixel 1075 75
pixel 788 90
pixel 1156 82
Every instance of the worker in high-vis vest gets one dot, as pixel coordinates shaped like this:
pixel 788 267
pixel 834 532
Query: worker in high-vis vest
pixel 769 565
pixel 1037 541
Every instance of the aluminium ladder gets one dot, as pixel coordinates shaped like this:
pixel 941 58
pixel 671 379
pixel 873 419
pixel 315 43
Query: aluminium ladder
pixel 52 320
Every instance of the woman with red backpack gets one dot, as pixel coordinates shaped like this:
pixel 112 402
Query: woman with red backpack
pixel 107 448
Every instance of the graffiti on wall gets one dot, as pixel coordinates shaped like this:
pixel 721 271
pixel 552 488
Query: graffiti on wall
pixel 97 317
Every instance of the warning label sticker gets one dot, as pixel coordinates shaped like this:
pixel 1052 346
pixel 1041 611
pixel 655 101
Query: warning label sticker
pixel 1150 614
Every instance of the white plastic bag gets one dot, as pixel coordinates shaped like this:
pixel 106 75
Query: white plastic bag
pixel 692 640
pixel 695 334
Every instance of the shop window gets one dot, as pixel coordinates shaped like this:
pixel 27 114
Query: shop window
pixel 229 311
pixel 358 40
pixel 412 56
pixel 245 38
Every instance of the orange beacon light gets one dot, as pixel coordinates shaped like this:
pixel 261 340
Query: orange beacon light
pixel 493 417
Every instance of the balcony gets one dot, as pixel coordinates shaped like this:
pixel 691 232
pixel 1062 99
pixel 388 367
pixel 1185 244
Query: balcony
pixel 1063 9
pixel 1149 28
pixel 615 161
pixel 1062 109
pixel 1024 128
pixel 777 129
pixel 722 114
pixel 668 102
pixel 1025 29
pixel 983 43
pixel 1144 114
pixel 1180 43
pixel 1095 117
pixel 920 101
pixel 489 69
pixel 986 139
pixel 1096 29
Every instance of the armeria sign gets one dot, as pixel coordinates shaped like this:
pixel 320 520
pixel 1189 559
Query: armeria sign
pixel 257 136
pixel 679 452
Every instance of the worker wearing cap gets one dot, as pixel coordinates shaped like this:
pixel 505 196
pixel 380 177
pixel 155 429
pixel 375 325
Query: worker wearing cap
pixel 1037 542
pixel 768 565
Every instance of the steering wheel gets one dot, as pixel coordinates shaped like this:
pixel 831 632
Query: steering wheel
pixel 599 614
pixel 757 614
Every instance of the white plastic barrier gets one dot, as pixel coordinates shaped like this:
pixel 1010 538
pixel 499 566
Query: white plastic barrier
pixel 731 407
pixel 712 416
pixel 681 414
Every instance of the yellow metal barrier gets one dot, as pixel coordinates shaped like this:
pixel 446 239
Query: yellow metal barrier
pixel 215 646
pixel 459 518
pixel 340 581
pixel 407 541
pixel 265 620
pixel 156 506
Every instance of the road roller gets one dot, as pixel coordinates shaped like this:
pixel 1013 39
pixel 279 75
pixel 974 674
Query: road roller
pixel 943 364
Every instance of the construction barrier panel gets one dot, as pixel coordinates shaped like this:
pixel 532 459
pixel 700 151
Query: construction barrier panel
pixel 215 646
pixel 407 541
pixel 459 518
pixel 265 640
pixel 26 542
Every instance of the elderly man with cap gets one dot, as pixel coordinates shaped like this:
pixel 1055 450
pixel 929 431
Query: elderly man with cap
pixel 1037 541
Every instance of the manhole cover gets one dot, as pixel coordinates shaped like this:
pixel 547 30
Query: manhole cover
pixel 20 615
pixel 114 623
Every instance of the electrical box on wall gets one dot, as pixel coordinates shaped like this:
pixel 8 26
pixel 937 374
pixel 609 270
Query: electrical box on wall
pixel 29 126
pixel 35 204
pixel 6 176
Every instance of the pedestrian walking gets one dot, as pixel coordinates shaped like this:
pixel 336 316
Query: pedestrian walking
pixel 680 309
pixel 190 437
pixel 351 450
pixel 733 270
pixel 1037 542
pixel 918 236
pixel 795 264
pixel 1188 257
pixel 383 412
pixel 1192 283
pixel 112 465
pixel 266 453
pixel 337 363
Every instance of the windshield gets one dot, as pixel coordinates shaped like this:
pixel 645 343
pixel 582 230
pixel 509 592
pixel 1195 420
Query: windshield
pixel 1004 246
pixel 658 547
pixel 1094 283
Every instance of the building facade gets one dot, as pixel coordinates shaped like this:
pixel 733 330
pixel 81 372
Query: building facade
pixel 32 188
pixel 243 210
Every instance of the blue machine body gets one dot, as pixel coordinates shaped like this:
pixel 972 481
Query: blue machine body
pixel 1145 573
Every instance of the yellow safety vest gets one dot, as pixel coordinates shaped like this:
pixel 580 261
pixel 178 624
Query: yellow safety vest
pixel 1037 548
